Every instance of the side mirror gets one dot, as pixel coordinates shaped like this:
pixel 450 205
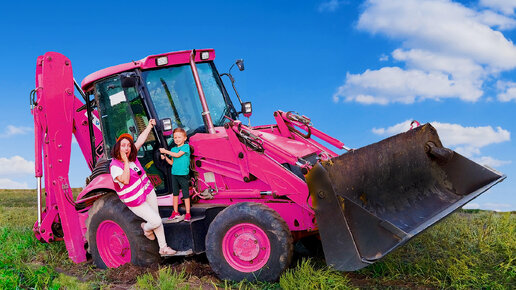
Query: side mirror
pixel 247 109
pixel 128 80
pixel 240 64
pixel 167 126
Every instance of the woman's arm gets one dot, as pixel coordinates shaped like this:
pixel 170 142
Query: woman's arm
pixel 143 136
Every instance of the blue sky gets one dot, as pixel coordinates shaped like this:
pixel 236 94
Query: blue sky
pixel 361 70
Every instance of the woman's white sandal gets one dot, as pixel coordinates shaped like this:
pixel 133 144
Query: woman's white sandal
pixel 167 251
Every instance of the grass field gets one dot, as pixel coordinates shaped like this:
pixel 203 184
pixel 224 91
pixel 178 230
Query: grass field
pixel 470 250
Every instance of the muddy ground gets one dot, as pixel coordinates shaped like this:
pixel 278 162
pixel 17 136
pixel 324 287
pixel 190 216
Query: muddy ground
pixel 200 275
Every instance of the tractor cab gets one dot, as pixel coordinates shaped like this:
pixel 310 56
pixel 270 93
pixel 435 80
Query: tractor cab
pixel 161 87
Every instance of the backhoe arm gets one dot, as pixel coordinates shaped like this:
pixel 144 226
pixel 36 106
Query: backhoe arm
pixel 54 111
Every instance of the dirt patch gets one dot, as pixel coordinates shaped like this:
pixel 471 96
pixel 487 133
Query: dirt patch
pixel 198 271
pixel 128 273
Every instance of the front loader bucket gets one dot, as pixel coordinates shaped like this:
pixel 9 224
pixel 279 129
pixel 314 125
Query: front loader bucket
pixel 374 199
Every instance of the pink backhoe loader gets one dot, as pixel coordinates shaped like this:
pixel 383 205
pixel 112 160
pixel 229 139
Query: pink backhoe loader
pixel 256 189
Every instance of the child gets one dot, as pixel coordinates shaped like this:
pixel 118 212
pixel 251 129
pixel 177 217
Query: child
pixel 180 173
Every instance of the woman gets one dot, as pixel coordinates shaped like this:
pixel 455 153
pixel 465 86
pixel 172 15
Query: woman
pixel 134 188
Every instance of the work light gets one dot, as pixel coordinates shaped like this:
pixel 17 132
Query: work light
pixel 163 60
pixel 205 55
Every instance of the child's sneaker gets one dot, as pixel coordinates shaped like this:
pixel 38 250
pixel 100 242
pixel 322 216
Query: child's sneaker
pixel 175 217
pixel 188 217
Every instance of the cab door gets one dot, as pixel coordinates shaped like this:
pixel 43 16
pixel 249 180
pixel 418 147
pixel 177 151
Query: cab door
pixel 122 110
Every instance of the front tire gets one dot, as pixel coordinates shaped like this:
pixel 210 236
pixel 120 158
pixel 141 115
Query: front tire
pixel 115 236
pixel 249 241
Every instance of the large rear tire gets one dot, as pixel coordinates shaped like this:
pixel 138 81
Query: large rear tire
pixel 115 236
pixel 249 241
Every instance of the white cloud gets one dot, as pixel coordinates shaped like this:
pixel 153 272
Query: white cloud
pixel 478 137
pixel 493 19
pixel 395 85
pixel 496 206
pixel 16 165
pixel 10 184
pixel 329 6
pixel 504 6
pixel 489 206
pixel 383 57
pixel 491 162
pixel 14 130
pixel 507 91
pixel 471 206
pixel 442 26
pixel 459 67
pixel 447 51
pixel 393 130
pixel 467 141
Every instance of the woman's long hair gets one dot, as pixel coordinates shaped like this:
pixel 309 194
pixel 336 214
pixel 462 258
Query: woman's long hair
pixel 115 153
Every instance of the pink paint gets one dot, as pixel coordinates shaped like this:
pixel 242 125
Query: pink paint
pixel 112 244
pixel 234 171
pixel 102 183
pixel 53 112
pixel 246 247
pixel 174 58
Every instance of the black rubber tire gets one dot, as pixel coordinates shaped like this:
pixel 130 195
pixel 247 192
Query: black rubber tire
pixel 109 207
pixel 102 167
pixel 265 218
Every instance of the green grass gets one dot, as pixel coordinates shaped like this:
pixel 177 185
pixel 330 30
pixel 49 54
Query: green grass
pixel 165 279
pixel 469 250
pixel 308 276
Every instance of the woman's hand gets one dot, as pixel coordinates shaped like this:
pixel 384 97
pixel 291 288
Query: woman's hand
pixel 123 155
pixel 143 135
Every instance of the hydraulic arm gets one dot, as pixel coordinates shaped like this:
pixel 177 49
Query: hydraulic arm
pixel 57 114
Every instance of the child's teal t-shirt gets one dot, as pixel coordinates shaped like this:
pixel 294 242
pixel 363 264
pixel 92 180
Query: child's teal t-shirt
pixel 181 165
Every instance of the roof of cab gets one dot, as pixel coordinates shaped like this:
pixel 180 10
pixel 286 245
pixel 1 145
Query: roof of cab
pixel 149 62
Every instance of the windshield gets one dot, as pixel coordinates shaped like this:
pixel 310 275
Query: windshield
pixel 175 96
pixel 122 112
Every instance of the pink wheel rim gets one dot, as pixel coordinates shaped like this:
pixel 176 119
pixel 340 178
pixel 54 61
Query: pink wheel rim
pixel 112 244
pixel 246 247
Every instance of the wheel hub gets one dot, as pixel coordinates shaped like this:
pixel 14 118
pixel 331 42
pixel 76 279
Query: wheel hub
pixel 246 247
pixel 117 244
